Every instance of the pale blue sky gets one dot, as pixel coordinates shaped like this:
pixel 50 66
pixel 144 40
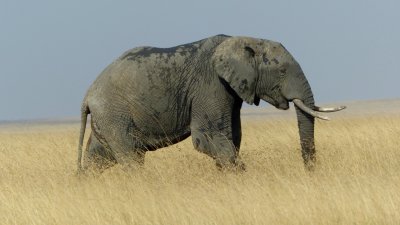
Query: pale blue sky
pixel 51 51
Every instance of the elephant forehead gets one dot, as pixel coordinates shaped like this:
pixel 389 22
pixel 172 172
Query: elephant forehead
pixel 230 48
pixel 260 46
pixel 272 47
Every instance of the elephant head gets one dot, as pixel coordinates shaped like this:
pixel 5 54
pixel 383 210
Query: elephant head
pixel 261 69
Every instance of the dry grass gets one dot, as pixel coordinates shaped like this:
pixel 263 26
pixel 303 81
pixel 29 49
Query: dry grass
pixel 357 180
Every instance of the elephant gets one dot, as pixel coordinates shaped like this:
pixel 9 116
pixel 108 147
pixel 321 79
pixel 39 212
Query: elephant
pixel 151 97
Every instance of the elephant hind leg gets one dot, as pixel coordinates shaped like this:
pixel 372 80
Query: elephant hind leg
pixel 127 149
pixel 115 130
pixel 97 157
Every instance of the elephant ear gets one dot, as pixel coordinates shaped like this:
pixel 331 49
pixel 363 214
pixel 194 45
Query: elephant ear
pixel 234 61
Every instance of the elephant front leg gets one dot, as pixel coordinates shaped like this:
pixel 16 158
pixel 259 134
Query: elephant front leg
pixel 219 146
pixel 215 126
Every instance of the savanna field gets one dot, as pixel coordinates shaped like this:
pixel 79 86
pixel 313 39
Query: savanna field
pixel 356 180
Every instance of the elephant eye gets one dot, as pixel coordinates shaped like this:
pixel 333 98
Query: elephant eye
pixel 282 71
pixel 265 59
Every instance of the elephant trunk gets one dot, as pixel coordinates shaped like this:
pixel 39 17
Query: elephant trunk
pixel 297 89
pixel 305 123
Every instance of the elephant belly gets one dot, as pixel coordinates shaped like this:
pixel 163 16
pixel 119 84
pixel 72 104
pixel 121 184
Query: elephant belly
pixel 160 130
pixel 161 142
pixel 138 131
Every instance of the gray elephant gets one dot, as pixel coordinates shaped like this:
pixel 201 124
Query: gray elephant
pixel 151 97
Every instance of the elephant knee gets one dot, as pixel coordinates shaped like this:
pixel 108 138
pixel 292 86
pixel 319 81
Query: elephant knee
pixel 217 147
pixel 203 144
pixel 199 142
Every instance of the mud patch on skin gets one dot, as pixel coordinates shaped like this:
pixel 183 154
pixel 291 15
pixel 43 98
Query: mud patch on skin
pixel 132 53
pixel 181 50
pixel 243 85
pixel 265 59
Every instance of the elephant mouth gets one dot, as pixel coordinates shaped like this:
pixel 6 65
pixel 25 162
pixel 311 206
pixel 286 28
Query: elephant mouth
pixel 282 105
pixel 279 104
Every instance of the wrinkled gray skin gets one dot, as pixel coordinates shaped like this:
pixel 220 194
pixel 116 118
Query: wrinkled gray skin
pixel 155 97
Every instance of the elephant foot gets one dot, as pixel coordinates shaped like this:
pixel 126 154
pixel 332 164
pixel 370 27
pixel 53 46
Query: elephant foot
pixel 241 166
pixel 97 164
pixel 237 166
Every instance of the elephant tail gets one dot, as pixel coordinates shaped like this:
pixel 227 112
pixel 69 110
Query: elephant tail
pixel 84 112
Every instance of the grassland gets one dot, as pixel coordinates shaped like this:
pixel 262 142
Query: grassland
pixel 357 179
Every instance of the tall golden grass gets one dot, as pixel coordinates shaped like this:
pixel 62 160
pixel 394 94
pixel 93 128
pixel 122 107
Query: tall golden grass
pixel 356 181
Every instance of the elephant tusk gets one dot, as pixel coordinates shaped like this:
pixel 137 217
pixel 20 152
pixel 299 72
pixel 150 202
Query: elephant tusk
pixel 307 110
pixel 328 109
